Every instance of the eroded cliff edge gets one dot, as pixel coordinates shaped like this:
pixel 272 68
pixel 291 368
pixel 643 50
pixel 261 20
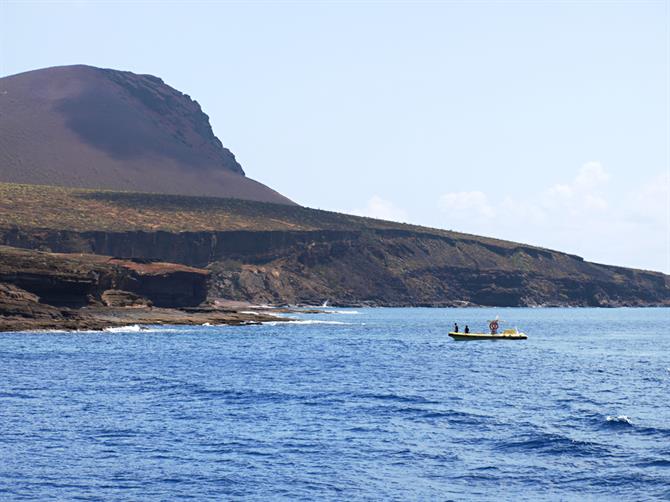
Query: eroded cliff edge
pixel 368 267
pixel 276 253
pixel 42 290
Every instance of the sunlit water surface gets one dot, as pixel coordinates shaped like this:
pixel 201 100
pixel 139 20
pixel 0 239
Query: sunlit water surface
pixel 371 404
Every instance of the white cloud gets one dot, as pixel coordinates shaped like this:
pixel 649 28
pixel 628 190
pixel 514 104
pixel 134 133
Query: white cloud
pixel 382 209
pixel 471 203
pixel 584 215
pixel 583 193
pixel 592 174
pixel 651 201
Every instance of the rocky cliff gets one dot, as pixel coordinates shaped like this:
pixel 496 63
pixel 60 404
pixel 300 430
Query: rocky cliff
pixel 424 270
pixel 77 280
pixel 41 290
pixel 287 254
pixel 371 266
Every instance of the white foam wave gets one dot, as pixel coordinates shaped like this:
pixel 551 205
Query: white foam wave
pixel 136 328
pixel 301 321
pixel 133 328
pixel 620 419
pixel 251 312
pixel 345 312
pixel 41 331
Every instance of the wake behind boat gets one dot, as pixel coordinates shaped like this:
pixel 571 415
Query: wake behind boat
pixel 508 334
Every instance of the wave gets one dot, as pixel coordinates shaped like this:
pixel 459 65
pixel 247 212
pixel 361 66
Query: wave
pixel 138 328
pixel 300 321
pixel 16 395
pixel 270 314
pixel 659 462
pixel 622 420
pixel 556 444
pixel 395 397
pixel 133 328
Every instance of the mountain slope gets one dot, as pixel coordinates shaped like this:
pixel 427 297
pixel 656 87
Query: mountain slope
pixel 81 126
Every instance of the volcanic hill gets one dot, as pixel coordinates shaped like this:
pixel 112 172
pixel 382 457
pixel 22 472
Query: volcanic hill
pixel 86 127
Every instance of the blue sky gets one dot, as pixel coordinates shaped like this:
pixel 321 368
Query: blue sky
pixel 541 122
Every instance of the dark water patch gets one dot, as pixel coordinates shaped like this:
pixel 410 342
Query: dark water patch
pixel 629 485
pixel 543 443
pixel 15 395
pixel 398 398
pixel 660 462
pixel 115 433
pixel 235 396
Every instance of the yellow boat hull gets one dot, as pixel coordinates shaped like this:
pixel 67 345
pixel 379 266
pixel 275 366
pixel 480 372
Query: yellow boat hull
pixel 488 336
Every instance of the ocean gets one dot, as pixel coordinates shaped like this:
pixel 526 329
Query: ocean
pixel 357 404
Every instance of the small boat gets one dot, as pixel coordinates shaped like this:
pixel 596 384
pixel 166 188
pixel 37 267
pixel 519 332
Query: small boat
pixel 508 334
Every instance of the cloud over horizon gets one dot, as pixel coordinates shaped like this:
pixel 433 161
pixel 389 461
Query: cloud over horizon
pixel 382 209
pixel 578 216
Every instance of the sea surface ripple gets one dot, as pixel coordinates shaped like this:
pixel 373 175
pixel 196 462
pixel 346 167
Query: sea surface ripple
pixel 381 404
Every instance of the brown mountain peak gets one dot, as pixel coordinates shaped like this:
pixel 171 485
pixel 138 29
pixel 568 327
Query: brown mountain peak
pixel 82 126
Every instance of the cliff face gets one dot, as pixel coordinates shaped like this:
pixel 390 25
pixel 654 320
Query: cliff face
pixel 413 269
pixel 373 266
pixel 81 126
pixel 289 254
pixel 191 136
pixel 77 292
pixel 65 280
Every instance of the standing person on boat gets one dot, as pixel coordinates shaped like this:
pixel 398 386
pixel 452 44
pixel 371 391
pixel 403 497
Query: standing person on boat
pixel 455 328
pixel 467 330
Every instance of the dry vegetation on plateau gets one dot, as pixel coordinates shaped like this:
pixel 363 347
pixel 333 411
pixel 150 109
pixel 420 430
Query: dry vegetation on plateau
pixel 59 208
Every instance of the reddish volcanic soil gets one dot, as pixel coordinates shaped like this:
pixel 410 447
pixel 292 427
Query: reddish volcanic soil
pixel 81 126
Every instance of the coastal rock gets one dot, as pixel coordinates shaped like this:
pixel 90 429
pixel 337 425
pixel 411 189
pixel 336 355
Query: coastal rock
pixel 119 298
pixel 77 280
pixel 17 302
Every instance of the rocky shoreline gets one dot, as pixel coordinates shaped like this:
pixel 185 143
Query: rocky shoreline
pixel 83 291
pixel 46 291
pixel 99 318
pixel 78 291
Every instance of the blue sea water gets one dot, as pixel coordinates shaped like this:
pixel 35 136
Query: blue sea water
pixel 359 405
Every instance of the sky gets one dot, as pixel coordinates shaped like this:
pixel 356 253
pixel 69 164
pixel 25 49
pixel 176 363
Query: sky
pixel 544 122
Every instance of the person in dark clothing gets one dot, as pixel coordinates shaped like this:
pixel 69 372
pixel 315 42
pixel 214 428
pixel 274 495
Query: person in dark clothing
pixel 467 330
pixel 455 328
